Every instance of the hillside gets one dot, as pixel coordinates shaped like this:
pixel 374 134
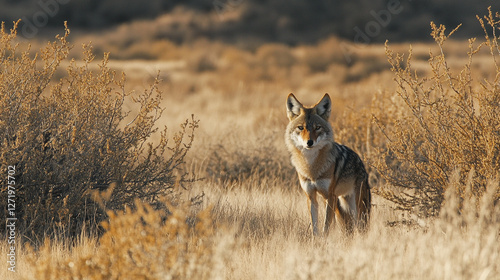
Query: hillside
pixel 289 22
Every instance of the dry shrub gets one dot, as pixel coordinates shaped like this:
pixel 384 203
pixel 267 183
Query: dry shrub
pixel 355 129
pixel 364 67
pixel 147 50
pixel 320 57
pixel 275 55
pixel 236 62
pixel 233 164
pixel 460 208
pixel 72 137
pixel 274 60
pixel 441 122
pixel 139 244
pixel 202 62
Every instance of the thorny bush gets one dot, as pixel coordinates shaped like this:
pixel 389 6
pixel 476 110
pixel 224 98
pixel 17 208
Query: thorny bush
pixel 139 243
pixel 71 138
pixel 441 123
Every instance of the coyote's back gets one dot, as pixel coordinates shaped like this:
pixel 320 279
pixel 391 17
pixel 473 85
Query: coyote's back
pixel 334 171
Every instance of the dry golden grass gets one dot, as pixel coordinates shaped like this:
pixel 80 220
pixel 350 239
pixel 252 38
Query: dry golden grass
pixel 253 221
pixel 265 235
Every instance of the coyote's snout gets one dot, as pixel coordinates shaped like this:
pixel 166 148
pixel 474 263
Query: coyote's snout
pixel 326 167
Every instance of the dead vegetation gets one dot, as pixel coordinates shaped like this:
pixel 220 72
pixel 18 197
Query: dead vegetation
pixel 71 137
pixel 428 131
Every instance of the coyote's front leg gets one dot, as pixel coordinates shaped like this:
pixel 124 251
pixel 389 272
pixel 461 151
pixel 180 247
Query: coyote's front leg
pixel 313 207
pixel 330 212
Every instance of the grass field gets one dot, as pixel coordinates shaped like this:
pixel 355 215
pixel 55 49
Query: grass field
pixel 252 221
pixel 264 232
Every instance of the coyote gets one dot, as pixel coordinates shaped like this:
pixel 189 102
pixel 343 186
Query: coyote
pixel 326 167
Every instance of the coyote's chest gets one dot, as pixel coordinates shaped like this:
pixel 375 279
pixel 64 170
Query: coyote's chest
pixel 313 164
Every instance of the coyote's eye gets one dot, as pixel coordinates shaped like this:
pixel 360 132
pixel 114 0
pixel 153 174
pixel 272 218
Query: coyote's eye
pixel 318 127
pixel 300 127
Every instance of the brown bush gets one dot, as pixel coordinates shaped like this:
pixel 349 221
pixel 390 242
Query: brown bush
pixel 72 137
pixel 441 123
pixel 138 244
pixel 228 166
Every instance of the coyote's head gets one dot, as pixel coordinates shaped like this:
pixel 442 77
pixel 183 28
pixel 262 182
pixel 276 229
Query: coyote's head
pixel 309 127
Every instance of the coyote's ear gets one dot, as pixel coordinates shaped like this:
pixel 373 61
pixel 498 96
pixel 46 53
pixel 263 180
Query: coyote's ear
pixel 324 107
pixel 293 107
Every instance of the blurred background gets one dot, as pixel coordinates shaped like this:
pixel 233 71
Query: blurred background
pixel 252 22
